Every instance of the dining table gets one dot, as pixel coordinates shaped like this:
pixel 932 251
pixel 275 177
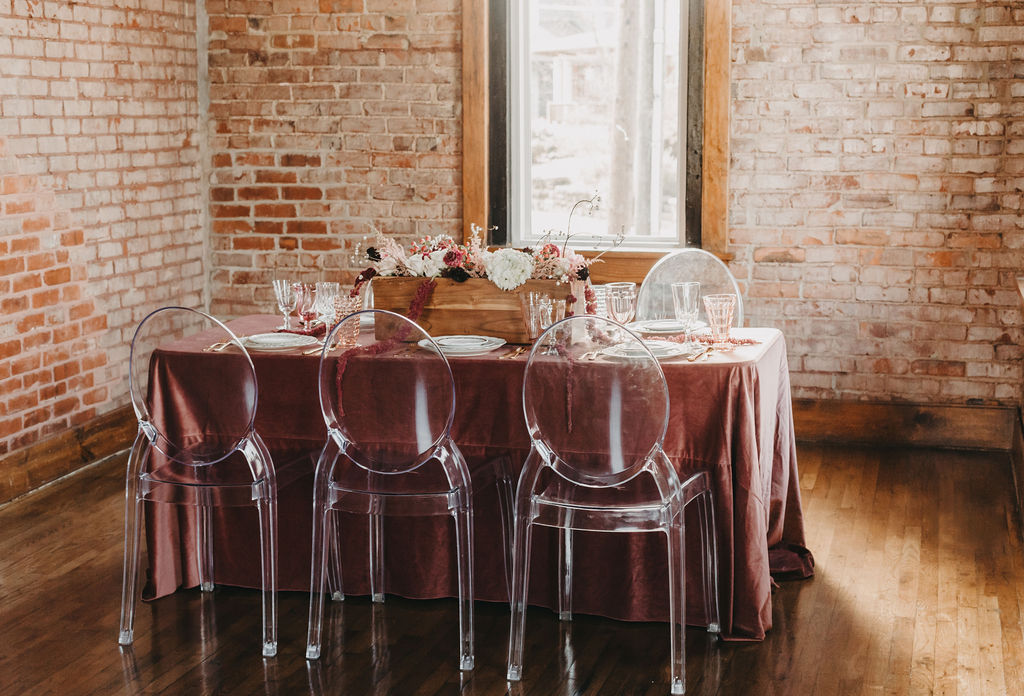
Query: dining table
pixel 730 415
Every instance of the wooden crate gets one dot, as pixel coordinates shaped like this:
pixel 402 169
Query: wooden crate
pixel 475 306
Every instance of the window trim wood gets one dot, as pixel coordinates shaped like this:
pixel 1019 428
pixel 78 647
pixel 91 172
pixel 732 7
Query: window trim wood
pixel 475 128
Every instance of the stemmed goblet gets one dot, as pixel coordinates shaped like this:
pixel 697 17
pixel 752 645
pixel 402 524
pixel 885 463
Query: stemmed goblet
pixel 620 299
pixel 284 292
pixel 307 305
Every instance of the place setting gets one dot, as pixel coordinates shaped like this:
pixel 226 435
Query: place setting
pixel 463 346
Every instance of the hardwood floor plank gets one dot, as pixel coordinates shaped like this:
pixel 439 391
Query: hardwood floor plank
pixel 919 589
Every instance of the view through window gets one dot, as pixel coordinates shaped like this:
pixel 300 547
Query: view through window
pixel 597 105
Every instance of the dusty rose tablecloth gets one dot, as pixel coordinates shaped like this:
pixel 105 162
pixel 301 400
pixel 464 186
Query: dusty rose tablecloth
pixel 730 415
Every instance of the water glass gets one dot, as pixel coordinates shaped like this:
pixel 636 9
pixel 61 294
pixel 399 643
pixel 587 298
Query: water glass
pixel 540 311
pixel 686 300
pixel 620 298
pixel 326 292
pixel 345 304
pixel 284 292
pixel 720 309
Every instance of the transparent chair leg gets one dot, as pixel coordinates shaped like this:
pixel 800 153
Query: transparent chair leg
pixel 464 559
pixel 507 504
pixel 336 584
pixel 132 531
pixel 268 561
pixel 204 540
pixel 709 543
pixel 129 586
pixel 317 573
pixel 565 570
pixel 523 539
pixel 677 607
pixel 376 553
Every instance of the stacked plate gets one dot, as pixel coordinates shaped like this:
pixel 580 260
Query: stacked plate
pixel 659 349
pixel 278 341
pixel 464 346
pixel 662 326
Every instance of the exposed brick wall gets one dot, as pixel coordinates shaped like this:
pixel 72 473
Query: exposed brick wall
pixel 50 333
pixel 101 206
pixel 328 117
pixel 876 182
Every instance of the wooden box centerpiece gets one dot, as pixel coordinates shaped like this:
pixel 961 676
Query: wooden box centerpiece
pixel 474 306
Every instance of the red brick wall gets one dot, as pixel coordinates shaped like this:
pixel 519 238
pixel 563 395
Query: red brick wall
pixel 328 117
pixel 50 334
pixel 876 193
pixel 101 203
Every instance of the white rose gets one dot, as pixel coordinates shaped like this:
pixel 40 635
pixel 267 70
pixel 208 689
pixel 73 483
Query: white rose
pixel 428 265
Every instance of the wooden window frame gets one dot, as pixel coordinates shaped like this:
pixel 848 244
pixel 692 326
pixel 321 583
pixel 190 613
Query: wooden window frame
pixel 619 265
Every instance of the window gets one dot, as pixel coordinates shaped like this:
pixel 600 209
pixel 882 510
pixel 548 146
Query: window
pixel 699 192
pixel 598 96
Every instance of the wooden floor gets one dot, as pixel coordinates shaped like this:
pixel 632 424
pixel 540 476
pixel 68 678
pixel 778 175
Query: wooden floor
pixel 919 589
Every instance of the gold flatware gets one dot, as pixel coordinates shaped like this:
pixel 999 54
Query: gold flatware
pixel 699 354
pixel 217 347
pixel 519 350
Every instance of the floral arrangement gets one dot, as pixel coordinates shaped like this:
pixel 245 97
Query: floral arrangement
pixel 442 256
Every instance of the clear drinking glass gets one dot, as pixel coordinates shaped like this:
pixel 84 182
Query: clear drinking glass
pixel 621 301
pixel 686 299
pixel 540 311
pixel 284 292
pixel 719 309
pixel 306 305
pixel 326 292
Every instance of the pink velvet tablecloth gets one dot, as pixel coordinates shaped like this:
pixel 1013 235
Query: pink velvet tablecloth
pixel 730 414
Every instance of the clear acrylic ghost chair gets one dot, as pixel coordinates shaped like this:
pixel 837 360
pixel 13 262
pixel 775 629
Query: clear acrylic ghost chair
pixel 597 464
pixel 388 403
pixel 216 462
pixel 654 300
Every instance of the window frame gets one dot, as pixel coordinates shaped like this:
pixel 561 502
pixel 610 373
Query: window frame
pixel 476 92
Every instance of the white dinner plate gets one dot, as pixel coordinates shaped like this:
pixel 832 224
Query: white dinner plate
pixel 662 326
pixel 661 350
pixel 278 341
pixel 464 346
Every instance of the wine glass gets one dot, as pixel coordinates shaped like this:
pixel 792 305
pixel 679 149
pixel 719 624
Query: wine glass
pixel 685 298
pixel 620 299
pixel 284 292
pixel 307 306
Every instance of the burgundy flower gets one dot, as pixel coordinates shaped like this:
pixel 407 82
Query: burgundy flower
pixel 454 258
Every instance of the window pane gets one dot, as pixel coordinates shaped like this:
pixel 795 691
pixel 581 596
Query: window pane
pixel 602 114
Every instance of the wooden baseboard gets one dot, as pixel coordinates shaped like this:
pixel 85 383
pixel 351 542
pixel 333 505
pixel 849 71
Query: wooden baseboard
pixel 38 464
pixel 957 427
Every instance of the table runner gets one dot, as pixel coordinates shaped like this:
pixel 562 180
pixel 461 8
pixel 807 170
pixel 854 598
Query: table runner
pixel 730 414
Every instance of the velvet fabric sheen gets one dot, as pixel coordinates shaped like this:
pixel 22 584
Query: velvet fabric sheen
pixel 730 415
